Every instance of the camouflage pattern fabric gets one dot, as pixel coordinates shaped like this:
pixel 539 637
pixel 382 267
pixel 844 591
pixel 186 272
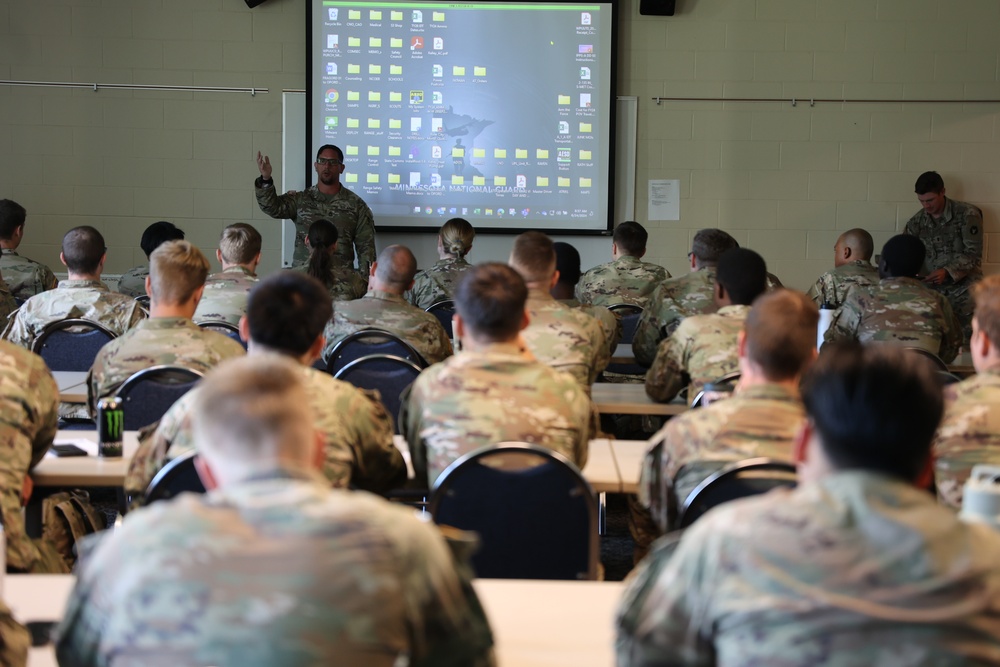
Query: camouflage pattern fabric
pixel 356 428
pixel 760 420
pixel 387 311
pixel 7 303
pixel 672 301
pixel 274 570
pixel 954 242
pixel 856 569
pixel 346 284
pixel 901 311
pixel 626 280
pixel 611 323
pixel 702 349
pixel 225 295
pixel 969 433
pixel 346 210
pixel 831 288
pixel 87 299
pixel 14 640
pixel 24 276
pixel 29 401
pixel 567 339
pixel 133 282
pixel 171 341
pixel 475 399
pixel 437 283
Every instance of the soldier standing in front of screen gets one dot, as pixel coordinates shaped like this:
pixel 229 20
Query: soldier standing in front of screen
pixel 328 200
pixel 952 231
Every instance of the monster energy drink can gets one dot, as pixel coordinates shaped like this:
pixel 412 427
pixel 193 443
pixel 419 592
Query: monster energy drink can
pixel 110 427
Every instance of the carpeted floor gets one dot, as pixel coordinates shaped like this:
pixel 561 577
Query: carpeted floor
pixel 616 543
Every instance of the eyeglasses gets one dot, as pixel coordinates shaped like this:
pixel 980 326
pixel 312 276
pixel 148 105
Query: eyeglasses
pixel 328 160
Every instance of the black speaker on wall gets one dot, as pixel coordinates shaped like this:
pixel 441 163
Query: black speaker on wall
pixel 652 7
pixel 253 3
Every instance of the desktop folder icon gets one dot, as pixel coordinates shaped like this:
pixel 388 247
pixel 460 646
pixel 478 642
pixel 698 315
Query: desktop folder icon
pixel 541 154
pixel 478 152
pixel 479 71
pixel 353 122
pixel 354 41
pixel 542 181
pixel 499 180
pixel 396 42
pixel 375 42
pixel 374 96
pixel 351 178
pixel 458 152
pixel 585 182
pixel 563 182
pixel 395 97
pixel 353 14
pixel 374 69
pixel 393 179
pixel 395 123
pixel 585 127
pixel 353 96
pixel 521 153
pixel 394 151
pixel 375 15
pixel 353 69
pixel 479 180
pixel 437 16
pixel 457 70
pixel 564 99
pixel 457 180
pixel 395 16
pixel 500 152
pixel 395 69
pixel 372 178
pixel 374 123
pixel 585 155
pixel 352 150
pixel 373 150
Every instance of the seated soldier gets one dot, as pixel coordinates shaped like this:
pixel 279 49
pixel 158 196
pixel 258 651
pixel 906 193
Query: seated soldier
pixel 271 566
pixel 627 279
pixel 703 348
pixel 438 282
pixel 82 295
pixel 25 277
pixel 133 282
pixel 900 310
pixel 286 313
pixel 776 344
pixel 562 337
pixel 858 565
pixel 851 267
pixel 568 270
pixel 383 307
pixel 225 295
pixel 492 390
pixel 177 272
pixel 683 296
pixel 342 283
pixel 970 431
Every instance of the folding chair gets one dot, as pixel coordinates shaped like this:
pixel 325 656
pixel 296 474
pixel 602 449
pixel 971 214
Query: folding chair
pixel 736 480
pixel 148 394
pixel 177 477
pixel 385 373
pixel 369 342
pixel 716 389
pixel 72 344
pixel 225 328
pixel 443 311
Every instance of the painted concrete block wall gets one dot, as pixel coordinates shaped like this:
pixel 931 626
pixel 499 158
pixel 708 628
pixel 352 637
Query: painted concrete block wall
pixel 784 180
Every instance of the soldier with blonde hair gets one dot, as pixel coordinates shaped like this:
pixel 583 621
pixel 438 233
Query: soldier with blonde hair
pixel 438 282
pixel 225 296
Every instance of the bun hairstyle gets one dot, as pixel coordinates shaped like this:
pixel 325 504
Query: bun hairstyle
pixel 457 236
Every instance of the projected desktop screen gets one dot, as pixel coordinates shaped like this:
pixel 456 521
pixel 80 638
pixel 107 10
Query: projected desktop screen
pixel 498 112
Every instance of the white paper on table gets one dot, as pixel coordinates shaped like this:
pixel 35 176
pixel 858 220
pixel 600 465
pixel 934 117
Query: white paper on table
pixel 664 200
pixel 85 444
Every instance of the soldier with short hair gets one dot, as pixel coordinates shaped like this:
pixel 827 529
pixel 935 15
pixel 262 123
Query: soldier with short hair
pixel 25 277
pixel 133 282
pixel 225 295
pixel 852 267
pixel 627 279
pixel 439 281
pixel 568 270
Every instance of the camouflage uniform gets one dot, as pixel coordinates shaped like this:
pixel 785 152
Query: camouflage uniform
pixel 29 401
pixel 14 640
pixel 133 282
pixel 565 338
pixel 954 242
pixel 346 285
pixel 760 420
pixel 351 215
pixel 611 323
pixel 382 310
pixel 625 280
pixel 225 296
pixel 24 276
pixel 87 299
pixel 969 433
pixel 278 569
pixel 475 399
pixel 855 569
pixel 902 311
pixel 173 341
pixel 355 426
pixel 671 302
pixel 702 349
pixel 7 303
pixel 831 288
pixel 437 283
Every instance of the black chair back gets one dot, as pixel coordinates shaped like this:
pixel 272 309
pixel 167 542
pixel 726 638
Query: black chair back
pixel 537 522
pixel 935 360
pixel 177 477
pixel 388 374
pixel 143 301
pixel 225 328
pixel 371 342
pixel 737 480
pixel 65 350
pixel 443 310
pixel 629 315
pixel 148 394
pixel 715 389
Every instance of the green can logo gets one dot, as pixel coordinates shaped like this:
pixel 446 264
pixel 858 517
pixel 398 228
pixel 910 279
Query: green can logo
pixel 110 427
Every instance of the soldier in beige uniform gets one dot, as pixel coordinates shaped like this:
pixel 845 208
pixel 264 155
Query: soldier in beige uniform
pixel 703 348
pixel 568 270
pixel 225 295
pixel 852 267
pixel 439 281
pixel 24 276
pixel 627 279
pixel 133 282
pixel 175 284
pixel 858 565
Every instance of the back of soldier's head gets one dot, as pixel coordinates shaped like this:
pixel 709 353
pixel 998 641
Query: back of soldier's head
pixel 567 263
pixel 708 246
pixel 12 216
pixel 253 415
pixel 929 181
pixel 874 407
pixel 286 312
pixel 781 333
pixel 240 243
pixel 534 257
pixel 903 255
pixel 157 234
pixel 82 249
pixel 987 296
pixel 490 299
pixel 322 234
pixel 396 267
pixel 743 274
pixel 860 242
pixel 631 238
pixel 457 236
pixel 176 270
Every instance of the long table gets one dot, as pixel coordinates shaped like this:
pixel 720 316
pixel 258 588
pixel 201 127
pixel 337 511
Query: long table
pixel 535 623
pixel 72 386
pixel 630 399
